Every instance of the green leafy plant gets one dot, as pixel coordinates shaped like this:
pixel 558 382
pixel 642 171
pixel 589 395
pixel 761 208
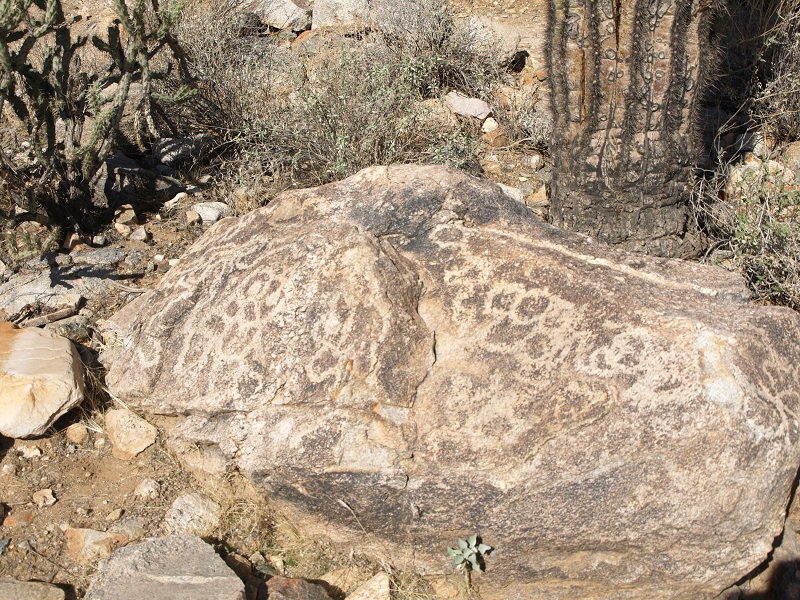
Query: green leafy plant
pixel 469 553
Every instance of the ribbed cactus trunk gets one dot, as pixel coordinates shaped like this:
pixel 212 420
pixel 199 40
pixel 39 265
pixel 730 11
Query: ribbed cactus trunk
pixel 627 80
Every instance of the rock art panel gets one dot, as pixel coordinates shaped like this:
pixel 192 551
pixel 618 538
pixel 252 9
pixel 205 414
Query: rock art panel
pixel 409 356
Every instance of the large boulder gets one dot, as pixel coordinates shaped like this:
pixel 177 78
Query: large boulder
pixel 41 378
pixel 408 356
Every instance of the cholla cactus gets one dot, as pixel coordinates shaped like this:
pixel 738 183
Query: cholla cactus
pixel 43 85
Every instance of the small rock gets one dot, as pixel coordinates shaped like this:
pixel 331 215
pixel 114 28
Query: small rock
pixel 140 234
pixel 171 204
pixel 192 514
pixel 44 498
pixel 99 257
pixel 8 470
pixel 346 579
pixel 497 138
pixel 489 125
pixel 193 217
pixel 148 488
pixel 240 565
pixel 163 267
pixel 129 434
pixel 127 216
pixel 75 329
pixel 170 567
pixel 211 212
pixel 19 518
pixel 99 240
pixel 122 229
pixel 114 515
pixel 534 161
pixel 11 589
pixel 89 545
pixel 29 452
pixel 41 378
pixel 377 588
pixel 467 107
pixel 72 240
pixel 99 443
pixel 290 588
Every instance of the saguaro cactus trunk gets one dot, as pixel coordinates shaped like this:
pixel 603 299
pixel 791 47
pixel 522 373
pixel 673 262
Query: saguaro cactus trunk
pixel 627 79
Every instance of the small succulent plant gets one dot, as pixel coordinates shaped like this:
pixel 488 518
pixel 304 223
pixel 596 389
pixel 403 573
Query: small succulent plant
pixel 468 552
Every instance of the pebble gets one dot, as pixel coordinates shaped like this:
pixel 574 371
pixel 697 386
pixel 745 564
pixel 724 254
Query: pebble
pixel 44 498
pixel 123 229
pixel 149 489
pixel 139 234
pixel 77 433
pixel 193 217
pixel 114 515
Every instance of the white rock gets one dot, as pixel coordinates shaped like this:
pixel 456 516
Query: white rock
pixel 129 434
pixel 148 488
pixel 489 125
pixel 192 514
pixel 140 234
pixel 513 192
pixel 44 498
pixel 467 107
pixel 211 212
pixel 283 14
pixel 41 378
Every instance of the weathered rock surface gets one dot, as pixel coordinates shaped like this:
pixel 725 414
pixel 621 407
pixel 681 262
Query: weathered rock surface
pixel 90 545
pixel 11 589
pixel 174 567
pixel 192 514
pixel 290 588
pixel 411 352
pixel 41 378
pixel 283 14
pixel 337 13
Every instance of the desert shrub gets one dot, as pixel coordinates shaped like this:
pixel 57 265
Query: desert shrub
pixel 66 113
pixel 295 119
pixel 756 225
pixel 777 94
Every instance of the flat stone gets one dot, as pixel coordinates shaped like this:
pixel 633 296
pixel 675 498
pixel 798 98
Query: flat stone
pixel 129 433
pixel 174 567
pixel 41 378
pixel 100 257
pixel 140 234
pixel 91 545
pixel 11 589
pixel 467 107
